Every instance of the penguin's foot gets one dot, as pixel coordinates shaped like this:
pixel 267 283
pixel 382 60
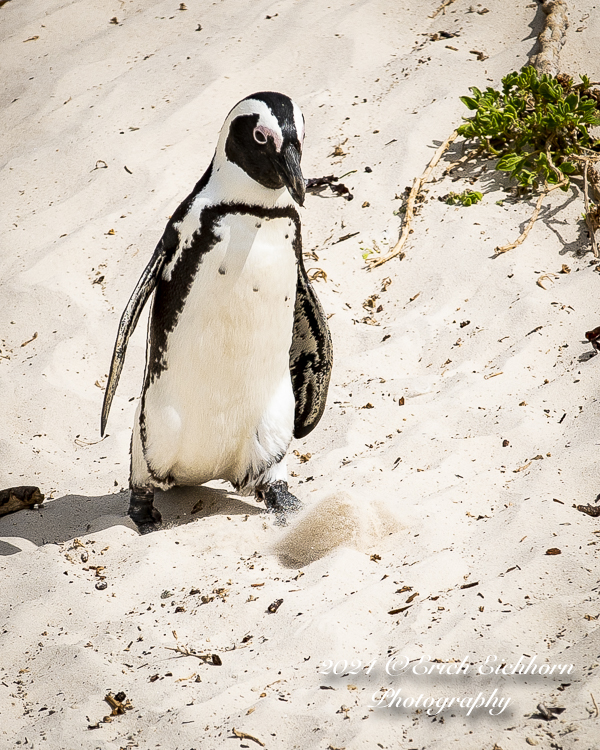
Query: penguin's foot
pixel 279 500
pixel 142 511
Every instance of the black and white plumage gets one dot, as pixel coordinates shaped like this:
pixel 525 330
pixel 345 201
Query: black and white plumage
pixel 239 353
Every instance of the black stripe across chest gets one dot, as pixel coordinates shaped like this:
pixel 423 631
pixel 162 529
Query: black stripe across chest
pixel 174 286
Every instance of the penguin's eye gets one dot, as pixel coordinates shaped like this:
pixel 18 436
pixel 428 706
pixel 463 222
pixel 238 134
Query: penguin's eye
pixel 259 136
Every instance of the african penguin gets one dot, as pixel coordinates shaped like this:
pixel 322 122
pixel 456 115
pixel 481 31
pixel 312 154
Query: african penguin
pixel 239 354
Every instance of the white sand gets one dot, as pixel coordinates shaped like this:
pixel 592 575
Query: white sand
pixel 86 98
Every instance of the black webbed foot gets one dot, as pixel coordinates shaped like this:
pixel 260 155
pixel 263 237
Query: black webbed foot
pixel 279 501
pixel 142 511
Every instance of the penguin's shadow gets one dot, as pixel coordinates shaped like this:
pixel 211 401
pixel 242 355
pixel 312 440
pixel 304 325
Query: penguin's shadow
pixel 61 519
pixel 182 505
pixel 71 516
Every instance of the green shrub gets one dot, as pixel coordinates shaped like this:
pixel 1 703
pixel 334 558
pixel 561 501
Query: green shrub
pixel 535 126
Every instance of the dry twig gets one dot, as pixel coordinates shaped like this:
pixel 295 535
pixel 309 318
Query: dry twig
pixel 505 248
pixel 523 236
pixel 588 219
pixel 246 736
pixel 445 4
pixel 213 659
pixel 594 178
pixel 549 276
pixel 410 205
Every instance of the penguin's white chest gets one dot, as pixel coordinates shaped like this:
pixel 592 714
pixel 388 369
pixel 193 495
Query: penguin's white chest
pixel 224 406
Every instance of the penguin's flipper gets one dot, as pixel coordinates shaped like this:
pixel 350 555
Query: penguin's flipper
pixel 129 319
pixel 311 357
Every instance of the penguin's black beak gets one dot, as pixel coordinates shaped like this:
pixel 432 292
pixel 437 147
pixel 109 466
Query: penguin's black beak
pixel 289 169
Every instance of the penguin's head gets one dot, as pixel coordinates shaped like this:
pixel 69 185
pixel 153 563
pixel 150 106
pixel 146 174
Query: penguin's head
pixel 263 135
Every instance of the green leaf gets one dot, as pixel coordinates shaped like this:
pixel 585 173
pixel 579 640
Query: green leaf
pixel 586 104
pixel 542 160
pixel 466 198
pixel 469 102
pixel 474 196
pixel 548 91
pixel 509 162
pixel 572 101
pixel 526 177
pixel 567 167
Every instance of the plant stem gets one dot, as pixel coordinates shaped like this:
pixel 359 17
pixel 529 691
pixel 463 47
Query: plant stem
pixel 522 237
pixel 441 8
pixel 588 220
pixel 592 174
pixel 410 205
pixel 557 173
